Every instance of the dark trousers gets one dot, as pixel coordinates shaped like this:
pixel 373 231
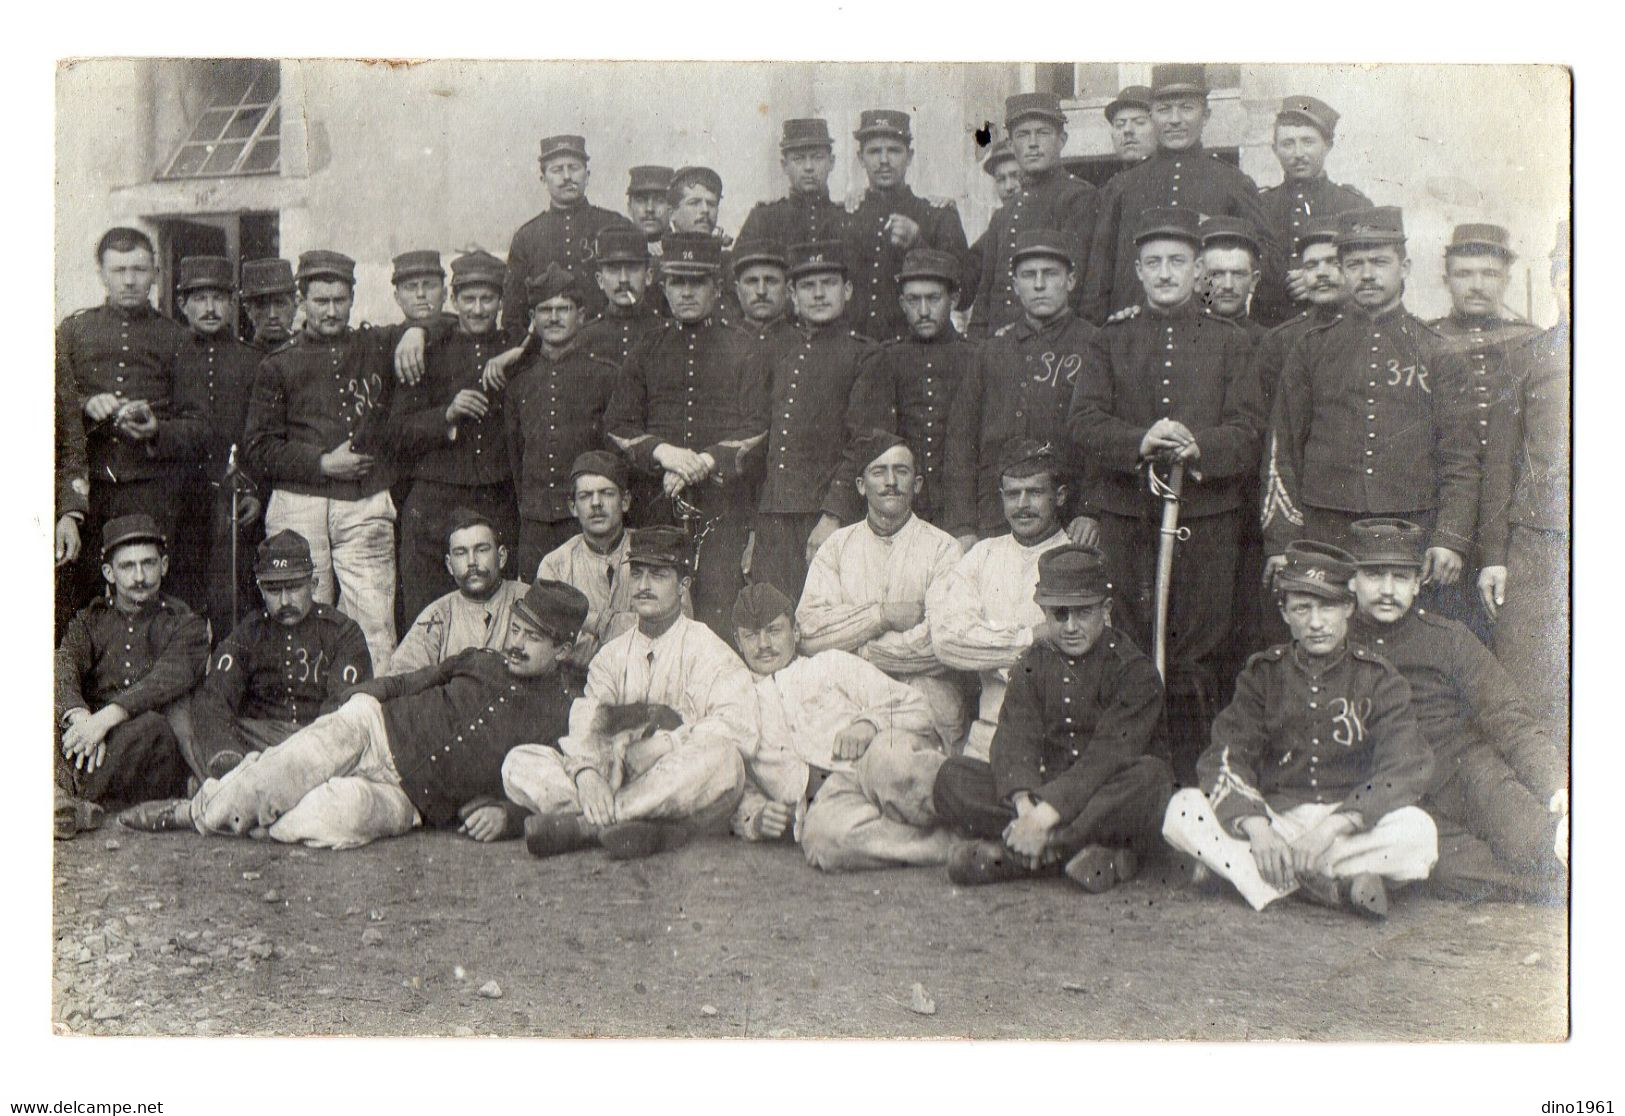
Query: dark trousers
pixel 779 557
pixel 537 540
pixel 721 554
pixel 247 735
pixel 424 522
pixel 155 497
pixel 1126 812
pixel 1495 835
pixel 1531 637
pixel 143 762
pixel 203 547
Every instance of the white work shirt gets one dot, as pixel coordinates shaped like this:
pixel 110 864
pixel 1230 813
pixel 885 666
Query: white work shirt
pixel 453 624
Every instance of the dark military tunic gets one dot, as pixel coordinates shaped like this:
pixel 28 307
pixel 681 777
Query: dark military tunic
pixel 266 671
pixel 554 236
pixel 553 413
pixel 875 261
pixel 468 453
pixel 141 661
pixel 450 726
pixel 795 219
pixel 1054 199
pixel 214 377
pixel 72 466
pixel 1302 729
pixel 1288 210
pixel 1270 352
pixel 810 372
pixel 1484 345
pixel 613 336
pixel 1191 179
pixel 1370 419
pixel 1019 386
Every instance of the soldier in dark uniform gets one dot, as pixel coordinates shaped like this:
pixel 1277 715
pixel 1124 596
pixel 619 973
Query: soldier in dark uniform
pixel 646 202
pixel 1180 175
pixel 214 376
pixel 72 494
pixel 1499 791
pixel 1134 137
pixel 1316 262
pixel 1001 166
pixel 446 432
pixel 562 234
pixel 1230 272
pixel 124 658
pixel 271 301
pixel 1304 129
pixel 1315 768
pixel 1371 415
pixel 890 221
pixel 1019 386
pixel 1050 198
pixel 689 406
pixel 1073 778
pixel 810 371
pixel 281 668
pixel 806 214
pixel 621 267
pixel 120 358
pixel 908 386
pixel 761 289
pixel 554 413
pixel 1171 385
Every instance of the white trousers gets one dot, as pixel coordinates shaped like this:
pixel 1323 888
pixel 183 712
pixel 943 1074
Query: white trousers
pixel 946 701
pixel 333 784
pixel 693 782
pixel 352 545
pixel 879 814
pixel 1403 845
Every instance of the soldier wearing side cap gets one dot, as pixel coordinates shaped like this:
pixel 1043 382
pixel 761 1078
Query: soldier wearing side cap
pixel 1019 385
pixel 285 665
pixel 123 659
pixel 689 409
pixel 1134 137
pixel 562 234
pixel 1230 253
pixel 889 221
pixel 555 411
pixel 810 372
pixel 1499 791
pixel 621 268
pixel 270 299
pixel 760 275
pixel 806 213
pixel 1304 132
pixel 1000 165
pixel 1372 416
pixel 1171 384
pixel 1315 768
pixel 1072 782
pixel 646 202
pixel 447 433
pixel 1051 198
pixel 1179 175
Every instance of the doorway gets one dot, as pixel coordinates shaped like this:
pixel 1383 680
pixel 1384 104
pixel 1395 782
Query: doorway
pixel 236 236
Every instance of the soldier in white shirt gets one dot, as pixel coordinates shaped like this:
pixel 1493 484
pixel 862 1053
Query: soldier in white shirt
pixel 982 616
pixel 476 614
pixel 848 756
pixel 867 584
pixel 656 749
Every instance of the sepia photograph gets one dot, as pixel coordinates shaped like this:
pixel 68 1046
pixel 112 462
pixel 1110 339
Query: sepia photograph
pixel 789 550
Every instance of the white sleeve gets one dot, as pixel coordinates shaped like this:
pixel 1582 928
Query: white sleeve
pixel 826 621
pixel 961 633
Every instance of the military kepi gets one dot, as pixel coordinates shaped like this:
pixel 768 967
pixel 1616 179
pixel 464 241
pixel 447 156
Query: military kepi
pixel 1380 224
pixel 1023 457
pixel 660 546
pixel 997 155
pixel 128 529
pixel 285 556
pixel 1476 239
pixel 1301 109
pixel 690 254
pixel 419 262
pixel 1168 222
pixel 816 256
pixel 553 283
pixel 1072 576
pixel 928 263
pixel 1220 229
pixel 477 267
pixel 204 273
pixel 748 253
pixel 566 144
pixel 621 244
pixel 269 276
pixel 1132 96
pixel 1178 79
pixel 556 608
pixel 1023 105
pixel 648 179
pixel 323 264
pixel 1387 542
pixel 806 132
pixel 883 122
pixel 1320 569
pixel 600 463
pixel 1041 242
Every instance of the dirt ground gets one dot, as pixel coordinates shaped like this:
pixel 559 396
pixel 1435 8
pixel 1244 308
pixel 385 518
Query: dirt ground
pixel 173 934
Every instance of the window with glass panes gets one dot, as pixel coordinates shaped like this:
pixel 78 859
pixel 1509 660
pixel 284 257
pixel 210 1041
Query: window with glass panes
pixel 239 130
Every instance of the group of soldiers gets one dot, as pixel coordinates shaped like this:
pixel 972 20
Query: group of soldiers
pixel 845 532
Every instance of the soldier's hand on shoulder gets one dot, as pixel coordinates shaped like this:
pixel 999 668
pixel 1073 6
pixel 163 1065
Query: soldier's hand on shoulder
pixel 902 231
pixel 966 541
pixel 1084 531
pixel 494 377
pixel 1127 313
pixel 409 356
pixel 1440 566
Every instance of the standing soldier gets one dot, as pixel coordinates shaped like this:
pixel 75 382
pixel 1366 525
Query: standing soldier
pixel 72 493
pixel 1322 279
pixel 1050 199
pixel 890 221
pixel 621 268
pixel 270 300
pixel 646 201
pixel 562 234
pixel 688 407
pixel 1303 138
pixel 447 433
pixel 312 401
pixel 810 371
pixel 1018 386
pixel 761 284
pixel 1134 137
pixel 1180 175
pixel 806 213
pixel 1169 386
pixel 1001 166
pixel 1370 416
pixel 694 199
pixel 1230 251
pixel 420 285
pixel 214 376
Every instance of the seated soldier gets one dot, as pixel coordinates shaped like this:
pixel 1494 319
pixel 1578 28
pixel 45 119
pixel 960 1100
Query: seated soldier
pixel 402 751
pixel 476 613
pixel 116 745
pixel 983 616
pixel 595 561
pixel 1070 783
pixel 839 734
pixel 641 792
pixel 1315 766
pixel 279 669
pixel 867 584
pixel 1499 792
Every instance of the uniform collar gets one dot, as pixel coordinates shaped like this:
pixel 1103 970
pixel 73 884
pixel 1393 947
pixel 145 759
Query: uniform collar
pixel 145 310
pixel 568 351
pixel 947 337
pixel 1316 667
pixel 1478 321
pixel 1025 327
pixel 811 200
pixel 1189 309
pixel 901 190
pixel 1193 151
pixel 1309 185
pixel 828 329
pixel 1371 629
